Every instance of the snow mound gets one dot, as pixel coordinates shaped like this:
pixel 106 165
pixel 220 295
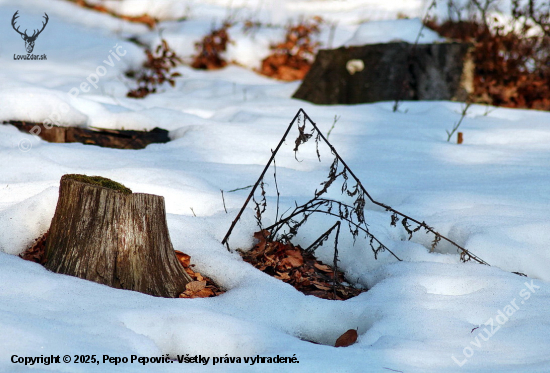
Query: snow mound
pixel 39 105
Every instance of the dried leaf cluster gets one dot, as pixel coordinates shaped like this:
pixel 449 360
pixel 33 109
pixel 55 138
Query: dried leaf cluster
pixel 201 286
pixel 37 252
pixel 291 59
pixel 298 268
pixel 211 48
pixel 156 71
pixel 512 64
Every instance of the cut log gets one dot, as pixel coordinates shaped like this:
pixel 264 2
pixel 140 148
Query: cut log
pixel 387 72
pixel 103 232
pixel 119 139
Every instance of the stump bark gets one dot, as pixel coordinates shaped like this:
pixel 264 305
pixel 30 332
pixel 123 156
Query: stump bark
pixel 387 72
pixel 103 232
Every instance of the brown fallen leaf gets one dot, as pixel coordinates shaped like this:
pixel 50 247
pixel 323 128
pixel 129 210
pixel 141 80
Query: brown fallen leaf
pixel 195 286
pixel 294 253
pixel 282 276
pixel 321 287
pixel 323 267
pixel 184 259
pixel 261 235
pixel 346 339
pixel 204 293
pixel 291 262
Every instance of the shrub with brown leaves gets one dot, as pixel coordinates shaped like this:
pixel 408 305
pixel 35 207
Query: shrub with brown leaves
pixel 211 48
pixel 291 59
pixel 155 71
pixel 512 66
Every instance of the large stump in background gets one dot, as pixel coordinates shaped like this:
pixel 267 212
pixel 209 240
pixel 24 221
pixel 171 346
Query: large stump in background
pixel 387 72
pixel 104 233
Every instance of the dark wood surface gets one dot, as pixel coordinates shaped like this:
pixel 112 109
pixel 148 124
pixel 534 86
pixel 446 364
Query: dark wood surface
pixel 392 71
pixel 119 139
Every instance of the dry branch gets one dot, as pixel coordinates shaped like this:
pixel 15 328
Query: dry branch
pixel 352 214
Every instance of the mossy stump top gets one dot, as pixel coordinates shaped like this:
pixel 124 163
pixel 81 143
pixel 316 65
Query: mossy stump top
pixel 99 181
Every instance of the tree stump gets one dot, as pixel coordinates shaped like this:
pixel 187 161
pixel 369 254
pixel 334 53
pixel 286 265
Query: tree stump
pixel 103 232
pixel 387 72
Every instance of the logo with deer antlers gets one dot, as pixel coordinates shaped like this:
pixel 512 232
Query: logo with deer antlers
pixel 29 40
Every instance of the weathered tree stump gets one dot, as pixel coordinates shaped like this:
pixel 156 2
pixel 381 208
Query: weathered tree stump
pixel 387 72
pixel 104 233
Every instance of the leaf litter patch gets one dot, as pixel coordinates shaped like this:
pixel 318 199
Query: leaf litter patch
pixel 299 268
pixel 201 286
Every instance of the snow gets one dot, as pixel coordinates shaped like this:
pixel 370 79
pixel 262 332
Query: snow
pixel 407 30
pixel 489 194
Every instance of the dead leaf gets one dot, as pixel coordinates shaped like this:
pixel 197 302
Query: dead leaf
pixel 204 293
pixel 291 262
pixel 189 272
pixel 294 259
pixel 346 339
pixel 184 259
pixel 282 276
pixel 323 267
pixel 195 286
pixel 261 235
pixel 321 287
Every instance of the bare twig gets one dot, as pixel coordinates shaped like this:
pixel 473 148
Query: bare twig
pixel 336 119
pixel 276 187
pixel 393 370
pixel 335 261
pixel 224 241
pixel 243 188
pixel 410 57
pixel 223 199
pixel 462 116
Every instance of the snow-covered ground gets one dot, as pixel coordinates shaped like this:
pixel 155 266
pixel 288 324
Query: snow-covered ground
pixel 429 313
